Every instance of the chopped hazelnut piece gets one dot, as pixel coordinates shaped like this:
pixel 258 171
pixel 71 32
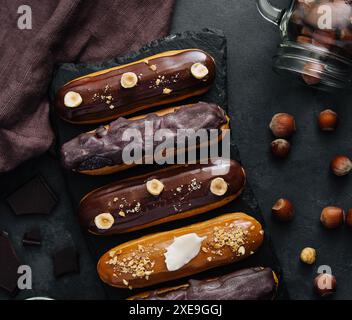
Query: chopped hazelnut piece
pixel 167 91
pixel 152 67
pixel 241 250
pixel 125 282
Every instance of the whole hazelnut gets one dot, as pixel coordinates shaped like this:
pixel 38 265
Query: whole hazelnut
pixel 311 73
pixel 280 148
pixel 325 284
pixel 346 35
pixel 328 120
pixel 349 218
pixel 332 217
pixel 341 165
pixel 282 210
pixel 282 125
pixel 304 39
pixel 308 255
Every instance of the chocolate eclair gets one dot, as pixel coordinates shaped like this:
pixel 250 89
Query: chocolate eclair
pixel 160 79
pixel 246 284
pixel 173 193
pixel 101 151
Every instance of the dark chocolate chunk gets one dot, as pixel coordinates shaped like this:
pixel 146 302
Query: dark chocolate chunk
pixel 9 264
pixel 66 261
pixel 34 197
pixel 32 237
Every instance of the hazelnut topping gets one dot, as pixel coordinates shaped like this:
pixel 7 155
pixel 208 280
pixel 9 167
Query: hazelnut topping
pixel 129 80
pixel 218 186
pixel 104 221
pixel 72 99
pixel 155 187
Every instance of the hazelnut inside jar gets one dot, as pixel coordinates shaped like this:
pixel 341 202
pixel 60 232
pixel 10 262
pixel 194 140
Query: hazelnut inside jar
pixel 316 46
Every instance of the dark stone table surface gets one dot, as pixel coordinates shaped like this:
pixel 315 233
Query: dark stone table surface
pixel 255 94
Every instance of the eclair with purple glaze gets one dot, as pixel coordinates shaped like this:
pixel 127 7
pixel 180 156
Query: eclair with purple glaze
pixel 246 284
pixel 164 78
pixel 169 194
pixel 100 152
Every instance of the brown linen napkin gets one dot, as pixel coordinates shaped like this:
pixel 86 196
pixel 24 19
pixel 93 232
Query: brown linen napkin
pixel 62 31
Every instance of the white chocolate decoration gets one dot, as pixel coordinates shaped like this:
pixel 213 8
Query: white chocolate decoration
pixel 199 70
pixel 72 99
pixel 104 221
pixel 129 80
pixel 182 250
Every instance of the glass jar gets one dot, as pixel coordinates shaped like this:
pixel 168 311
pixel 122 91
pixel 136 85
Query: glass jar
pixel 316 43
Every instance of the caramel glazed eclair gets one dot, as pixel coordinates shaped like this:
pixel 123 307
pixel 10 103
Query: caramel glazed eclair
pixel 100 151
pixel 165 195
pixel 181 252
pixel 247 284
pixel 160 79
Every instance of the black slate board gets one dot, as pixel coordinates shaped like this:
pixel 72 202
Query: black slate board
pixel 213 42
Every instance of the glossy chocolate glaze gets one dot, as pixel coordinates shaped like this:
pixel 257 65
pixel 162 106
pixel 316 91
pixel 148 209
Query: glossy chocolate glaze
pixel 104 146
pixel 187 187
pixel 173 72
pixel 245 284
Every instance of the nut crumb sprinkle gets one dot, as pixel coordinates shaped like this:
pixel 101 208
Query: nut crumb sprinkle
pixel 232 236
pixel 138 265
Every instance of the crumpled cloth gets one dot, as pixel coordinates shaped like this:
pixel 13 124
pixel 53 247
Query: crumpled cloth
pixel 62 31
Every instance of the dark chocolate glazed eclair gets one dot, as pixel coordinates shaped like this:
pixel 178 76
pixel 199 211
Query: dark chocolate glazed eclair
pixel 246 284
pixel 165 195
pixel 163 78
pixel 100 152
